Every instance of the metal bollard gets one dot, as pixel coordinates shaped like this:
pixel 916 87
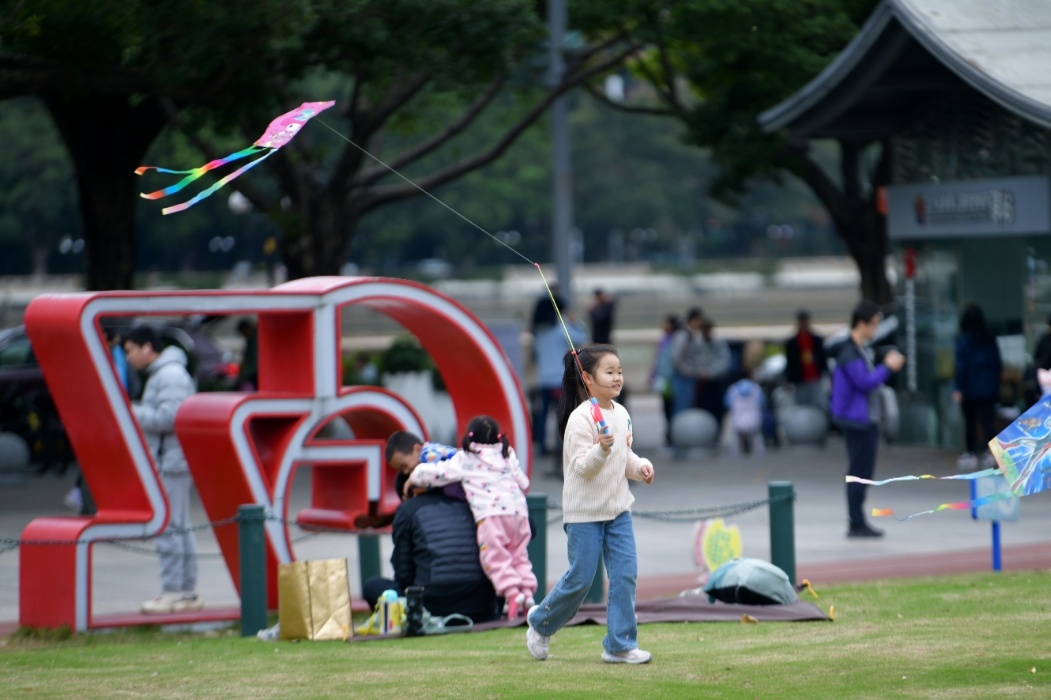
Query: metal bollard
pixel 251 546
pixel 782 527
pixel 537 504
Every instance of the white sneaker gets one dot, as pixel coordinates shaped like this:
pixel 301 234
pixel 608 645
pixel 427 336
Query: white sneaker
pixel 188 601
pixel 989 462
pixel 634 656
pixel 271 634
pixel 164 603
pixel 536 643
pixel 74 500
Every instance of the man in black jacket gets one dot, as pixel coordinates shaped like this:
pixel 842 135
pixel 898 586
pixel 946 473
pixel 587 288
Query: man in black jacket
pixel 436 547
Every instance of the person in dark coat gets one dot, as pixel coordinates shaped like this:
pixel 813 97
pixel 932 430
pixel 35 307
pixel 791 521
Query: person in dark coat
pixel 436 547
pixel 977 385
pixel 601 312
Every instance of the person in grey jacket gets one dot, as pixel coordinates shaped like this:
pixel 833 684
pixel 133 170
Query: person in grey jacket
pixel 702 364
pixel 168 384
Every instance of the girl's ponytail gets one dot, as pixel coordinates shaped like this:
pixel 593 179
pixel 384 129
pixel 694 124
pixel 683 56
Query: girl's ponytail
pixel 574 392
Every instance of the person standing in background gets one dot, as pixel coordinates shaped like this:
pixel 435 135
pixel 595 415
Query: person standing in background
pixel 855 407
pixel 248 371
pixel 686 357
pixel 806 364
pixel 715 362
pixel 602 309
pixel 549 347
pixel 662 374
pixel 977 385
pixel 168 384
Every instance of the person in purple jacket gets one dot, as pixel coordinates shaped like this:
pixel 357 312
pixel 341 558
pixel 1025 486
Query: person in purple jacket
pixel 855 407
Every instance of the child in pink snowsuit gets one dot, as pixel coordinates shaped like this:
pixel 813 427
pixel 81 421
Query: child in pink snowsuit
pixel 494 484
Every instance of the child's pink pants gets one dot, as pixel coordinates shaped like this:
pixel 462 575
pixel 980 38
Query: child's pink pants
pixel 502 543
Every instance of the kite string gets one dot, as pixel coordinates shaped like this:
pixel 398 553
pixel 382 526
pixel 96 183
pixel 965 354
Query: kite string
pixel 550 294
pixel 406 179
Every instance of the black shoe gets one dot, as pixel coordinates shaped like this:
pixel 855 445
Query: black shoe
pixel 864 530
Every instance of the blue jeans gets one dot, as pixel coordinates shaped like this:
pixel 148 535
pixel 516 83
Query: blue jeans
pixel 683 390
pixel 613 541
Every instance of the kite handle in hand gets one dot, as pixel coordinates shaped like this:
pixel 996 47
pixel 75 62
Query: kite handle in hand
pixel 596 415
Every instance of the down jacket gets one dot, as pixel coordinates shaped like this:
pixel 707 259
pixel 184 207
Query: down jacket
pixel 436 546
pixel 168 384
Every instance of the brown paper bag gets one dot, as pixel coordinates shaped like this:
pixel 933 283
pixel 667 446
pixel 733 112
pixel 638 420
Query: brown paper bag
pixel 314 600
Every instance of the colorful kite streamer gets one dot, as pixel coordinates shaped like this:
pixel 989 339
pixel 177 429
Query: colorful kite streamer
pixel 279 133
pixel 1023 451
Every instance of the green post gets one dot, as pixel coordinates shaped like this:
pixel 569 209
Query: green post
pixel 251 546
pixel 368 557
pixel 537 504
pixel 782 528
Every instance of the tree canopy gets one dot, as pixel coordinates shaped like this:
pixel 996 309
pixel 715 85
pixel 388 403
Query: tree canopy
pixel 115 73
pixel 717 64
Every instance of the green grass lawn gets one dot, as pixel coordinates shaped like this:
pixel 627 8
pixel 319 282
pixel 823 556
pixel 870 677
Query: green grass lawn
pixel 968 636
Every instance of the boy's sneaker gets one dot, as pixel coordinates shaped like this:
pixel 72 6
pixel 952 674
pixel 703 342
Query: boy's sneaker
pixel 634 656
pixel 188 601
pixel 989 462
pixel 967 462
pixel 164 603
pixel 536 643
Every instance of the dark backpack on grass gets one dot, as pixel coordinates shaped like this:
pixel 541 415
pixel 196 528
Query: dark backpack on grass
pixel 750 582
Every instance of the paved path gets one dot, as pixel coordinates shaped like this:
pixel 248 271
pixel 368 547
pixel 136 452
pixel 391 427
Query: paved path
pixel 929 545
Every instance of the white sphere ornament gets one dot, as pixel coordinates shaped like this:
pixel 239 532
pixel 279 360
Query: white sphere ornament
pixel 694 427
pixel 804 425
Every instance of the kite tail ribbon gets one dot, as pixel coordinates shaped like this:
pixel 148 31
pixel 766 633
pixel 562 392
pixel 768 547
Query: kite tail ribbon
pixel 975 475
pixel 963 505
pixel 205 193
pixel 195 173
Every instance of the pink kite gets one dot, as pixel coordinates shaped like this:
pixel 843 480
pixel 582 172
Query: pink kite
pixel 280 132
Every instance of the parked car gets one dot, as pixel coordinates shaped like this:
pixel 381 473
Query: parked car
pixel 28 412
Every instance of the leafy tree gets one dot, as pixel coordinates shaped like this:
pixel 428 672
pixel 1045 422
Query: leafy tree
pixel 406 103
pixel 112 74
pixel 115 73
pixel 717 64
pixel 35 212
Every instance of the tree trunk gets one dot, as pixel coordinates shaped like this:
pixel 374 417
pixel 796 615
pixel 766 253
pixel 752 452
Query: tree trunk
pixel 322 239
pixel 865 235
pixel 856 217
pixel 107 139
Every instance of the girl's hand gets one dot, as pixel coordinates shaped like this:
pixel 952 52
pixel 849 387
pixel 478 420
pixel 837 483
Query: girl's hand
pixel 647 473
pixel 606 440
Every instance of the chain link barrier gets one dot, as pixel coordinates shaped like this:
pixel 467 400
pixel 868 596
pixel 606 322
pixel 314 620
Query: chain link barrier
pixel 311 531
pixel 690 514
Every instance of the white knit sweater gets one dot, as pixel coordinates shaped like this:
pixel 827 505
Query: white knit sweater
pixel 596 482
